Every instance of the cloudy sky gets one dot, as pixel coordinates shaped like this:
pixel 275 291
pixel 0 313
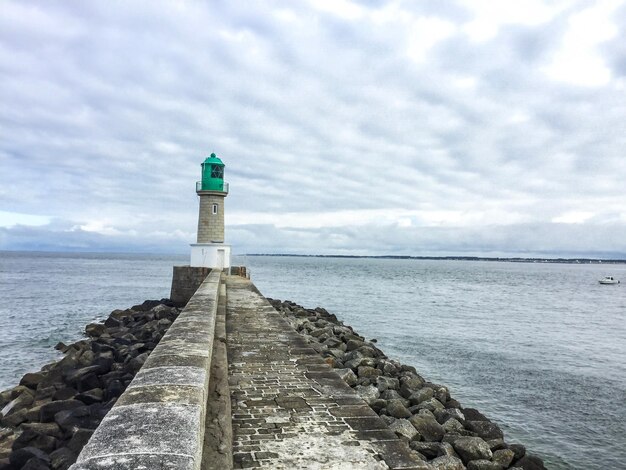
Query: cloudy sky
pixel 435 127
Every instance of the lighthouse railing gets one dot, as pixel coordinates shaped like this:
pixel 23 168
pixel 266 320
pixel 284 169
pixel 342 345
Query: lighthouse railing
pixel 199 187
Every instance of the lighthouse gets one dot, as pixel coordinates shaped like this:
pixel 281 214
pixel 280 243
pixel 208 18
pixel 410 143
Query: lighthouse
pixel 210 251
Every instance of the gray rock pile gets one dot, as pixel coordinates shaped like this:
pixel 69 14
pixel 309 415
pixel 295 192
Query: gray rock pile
pixel 48 418
pixel 435 425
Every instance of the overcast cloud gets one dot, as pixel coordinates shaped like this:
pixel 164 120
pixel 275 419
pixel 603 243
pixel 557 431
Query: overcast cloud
pixel 371 127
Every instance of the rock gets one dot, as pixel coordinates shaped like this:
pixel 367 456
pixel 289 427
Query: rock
pixel 50 429
pixel 35 463
pixel 30 438
pixel 447 413
pixel 79 439
pixel 447 462
pixel 15 419
pixel 22 398
pixel 504 457
pixel 397 409
pixel 484 429
pixel 496 444
pixel 135 363
pixel 18 458
pixel 74 418
pixel 518 449
pixel 387 383
pixel 472 448
pixel 347 376
pixel 441 393
pixel 472 414
pixel 368 372
pixel 409 385
pixel 431 405
pixel 369 393
pixel 530 462
pixel 95 329
pixel 65 393
pixel 483 465
pixel 446 448
pixel 32 379
pixel 428 449
pixel 47 411
pixel 404 429
pixel 62 458
pixel 452 425
pixel 421 395
pixel 393 395
pixel 378 404
pixel 428 427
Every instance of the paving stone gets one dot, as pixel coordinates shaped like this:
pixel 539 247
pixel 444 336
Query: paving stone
pixel 290 409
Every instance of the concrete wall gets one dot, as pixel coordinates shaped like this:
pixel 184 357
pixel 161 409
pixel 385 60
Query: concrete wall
pixel 211 226
pixel 185 283
pixel 159 421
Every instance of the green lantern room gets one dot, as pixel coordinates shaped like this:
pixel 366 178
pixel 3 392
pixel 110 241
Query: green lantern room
pixel 212 174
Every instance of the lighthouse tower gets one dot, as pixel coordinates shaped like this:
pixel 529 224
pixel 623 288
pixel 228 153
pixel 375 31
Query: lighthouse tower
pixel 210 250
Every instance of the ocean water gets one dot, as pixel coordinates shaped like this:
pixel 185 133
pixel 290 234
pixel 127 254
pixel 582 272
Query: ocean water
pixel 50 297
pixel 539 348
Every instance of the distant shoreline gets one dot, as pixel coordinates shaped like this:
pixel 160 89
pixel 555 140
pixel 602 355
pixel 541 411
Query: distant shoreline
pixel 457 258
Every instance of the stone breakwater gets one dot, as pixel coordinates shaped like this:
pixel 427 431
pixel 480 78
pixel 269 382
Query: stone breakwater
pixel 48 418
pixel 436 426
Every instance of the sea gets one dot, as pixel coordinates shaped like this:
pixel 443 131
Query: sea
pixel 540 348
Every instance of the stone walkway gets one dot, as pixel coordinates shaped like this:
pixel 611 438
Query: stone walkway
pixel 290 410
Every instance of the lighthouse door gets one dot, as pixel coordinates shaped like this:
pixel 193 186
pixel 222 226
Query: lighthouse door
pixel 220 259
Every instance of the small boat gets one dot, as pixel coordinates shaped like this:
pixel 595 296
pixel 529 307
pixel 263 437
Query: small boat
pixel 608 280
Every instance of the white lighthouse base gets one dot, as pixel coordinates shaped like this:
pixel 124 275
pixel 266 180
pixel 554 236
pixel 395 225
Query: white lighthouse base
pixel 210 255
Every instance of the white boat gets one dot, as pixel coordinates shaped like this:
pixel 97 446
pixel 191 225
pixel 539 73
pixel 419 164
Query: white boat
pixel 608 280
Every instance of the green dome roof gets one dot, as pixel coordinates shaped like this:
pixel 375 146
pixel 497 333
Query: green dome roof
pixel 213 159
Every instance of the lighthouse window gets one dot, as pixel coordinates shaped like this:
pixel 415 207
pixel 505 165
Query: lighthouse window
pixel 217 171
pixel 215 208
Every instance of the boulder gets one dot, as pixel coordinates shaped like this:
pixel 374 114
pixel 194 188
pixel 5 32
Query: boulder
pixel 428 427
pixel 49 429
pixel 35 463
pixel 472 448
pixel 409 385
pixel 428 449
pixel 397 409
pixel 62 458
pixel 19 457
pixel 530 462
pixel 95 329
pixel 446 462
pixel 431 405
pixel 368 393
pixel 31 438
pixel 79 438
pixel 32 379
pixel 74 418
pixel 387 383
pixel 393 395
pixel 518 449
pixel 347 376
pixel 421 395
pixel 47 411
pixel 504 457
pixel 368 372
pixel 483 465
pixel 472 414
pixel 404 429
pixel 452 425
pixel 484 429
pixel 447 413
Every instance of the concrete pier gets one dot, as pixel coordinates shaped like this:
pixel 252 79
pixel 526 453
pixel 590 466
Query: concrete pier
pixel 233 385
pixel 290 409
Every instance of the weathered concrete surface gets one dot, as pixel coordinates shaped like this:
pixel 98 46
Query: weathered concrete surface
pixel 290 410
pixel 185 282
pixel 159 420
pixel 218 437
